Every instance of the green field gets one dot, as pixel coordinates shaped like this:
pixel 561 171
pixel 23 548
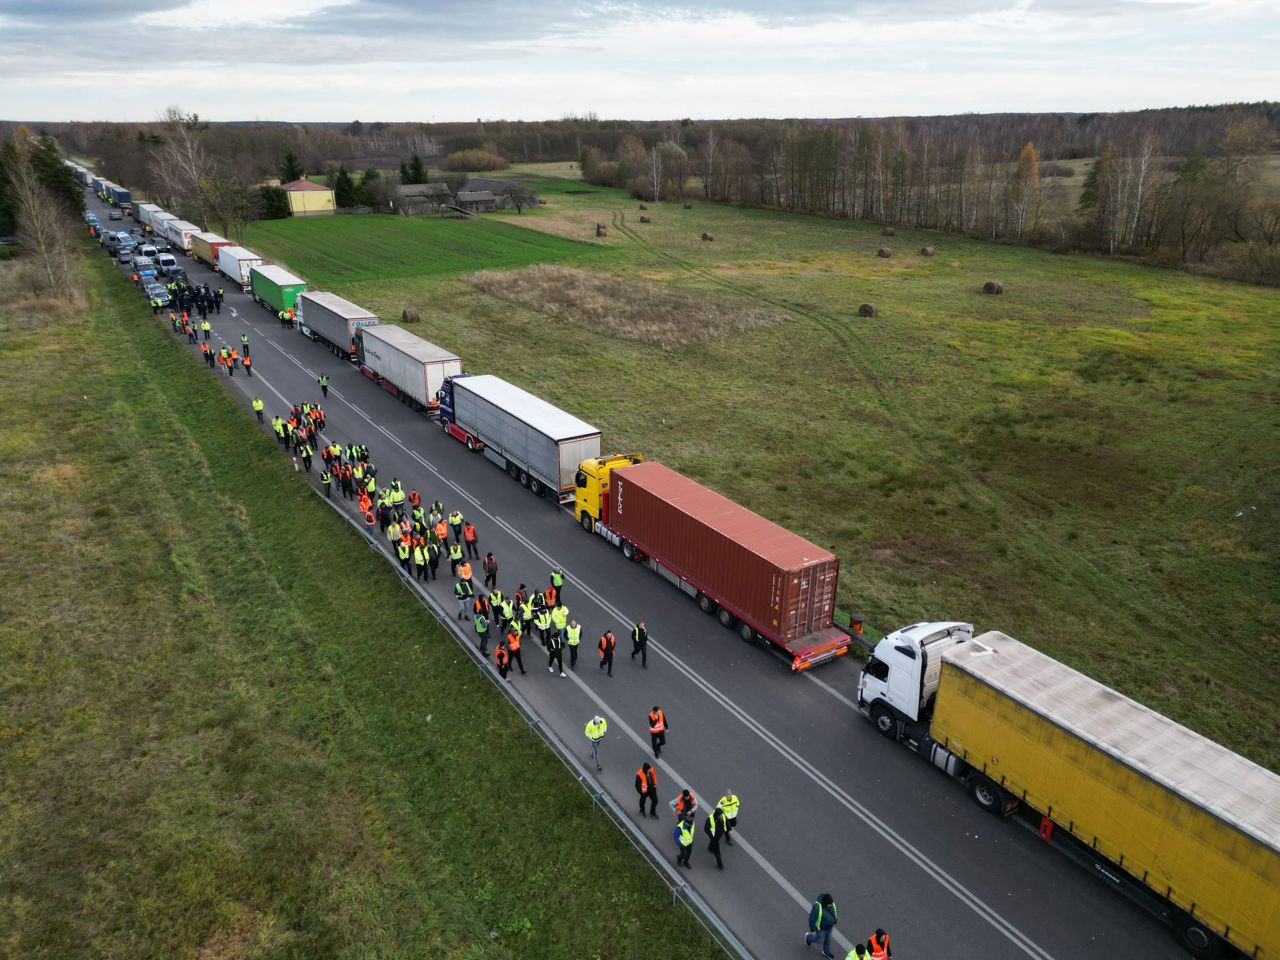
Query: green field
pixel 1088 462
pixel 226 731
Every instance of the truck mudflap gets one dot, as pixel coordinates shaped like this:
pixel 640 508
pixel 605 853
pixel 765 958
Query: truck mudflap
pixel 818 648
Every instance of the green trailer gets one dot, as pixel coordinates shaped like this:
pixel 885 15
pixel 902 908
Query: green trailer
pixel 275 288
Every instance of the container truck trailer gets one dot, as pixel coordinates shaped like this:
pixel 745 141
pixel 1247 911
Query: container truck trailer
pixel 758 578
pixel 179 234
pixel 406 365
pixel 145 213
pixel 537 444
pixel 1180 824
pixel 274 287
pixel 328 319
pixel 120 195
pixel 234 263
pixel 205 247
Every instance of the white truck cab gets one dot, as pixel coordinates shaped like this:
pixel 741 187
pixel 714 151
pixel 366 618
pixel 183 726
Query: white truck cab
pixel 900 678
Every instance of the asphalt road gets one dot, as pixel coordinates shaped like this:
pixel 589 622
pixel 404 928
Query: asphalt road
pixel 827 803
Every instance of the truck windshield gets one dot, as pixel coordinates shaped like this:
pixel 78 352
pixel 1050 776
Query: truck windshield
pixel 877 669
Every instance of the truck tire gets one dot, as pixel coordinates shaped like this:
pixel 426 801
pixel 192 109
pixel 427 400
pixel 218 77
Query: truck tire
pixel 987 794
pixel 884 720
pixel 471 442
pixel 444 424
pixel 628 549
pixel 706 604
pixel 747 632
pixel 587 523
pixel 1196 938
pixel 727 619
pixel 513 472
pixel 524 478
pixel 535 486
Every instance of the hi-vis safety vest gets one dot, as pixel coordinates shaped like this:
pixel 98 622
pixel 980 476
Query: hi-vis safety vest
pixel 686 833
pixel 879 947
pixel 595 731
pixel 729 804
pixel 574 635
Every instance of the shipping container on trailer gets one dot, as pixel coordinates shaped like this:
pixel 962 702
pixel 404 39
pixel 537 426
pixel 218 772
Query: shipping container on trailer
pixel 333 321
pixel 179 234
pixel 120 194
pixel 158 220
pixel 234 263
pixel 406 365
pixel 205 247
pixel 144 212
pixel 538 444
pixel 275 287
pixel 759 578
pixel 97 183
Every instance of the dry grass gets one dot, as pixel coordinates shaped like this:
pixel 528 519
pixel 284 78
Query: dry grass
pixel 26 304
pixel 649 313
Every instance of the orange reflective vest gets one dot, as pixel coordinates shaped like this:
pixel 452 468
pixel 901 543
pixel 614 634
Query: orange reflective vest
pixel 501 656
pixel 657 722
pixel 879 947
pixel 607 643
pixel 645 784
pixel 513 641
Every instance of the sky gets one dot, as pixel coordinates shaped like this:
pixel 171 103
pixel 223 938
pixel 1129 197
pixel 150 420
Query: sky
pixel 440 60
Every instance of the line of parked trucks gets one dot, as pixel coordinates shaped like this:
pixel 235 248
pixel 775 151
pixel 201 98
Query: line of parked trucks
pixel 1180 824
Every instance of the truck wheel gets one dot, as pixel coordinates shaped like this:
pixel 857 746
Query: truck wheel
pixel 706 604
pixel 444 424
pixel 1196 938
pixel 987 794
pixel 535 486
pixel 884 720
pixel 628 549
pixel 471 442
pixel 727 619
pixel 747 632
pixel 587 523
pixel 513 472
pixel 524 478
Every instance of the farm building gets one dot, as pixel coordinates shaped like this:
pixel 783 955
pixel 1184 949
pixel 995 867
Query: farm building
pixel 476 201
pixel 307 199
pixel 502 191
pixel 423 197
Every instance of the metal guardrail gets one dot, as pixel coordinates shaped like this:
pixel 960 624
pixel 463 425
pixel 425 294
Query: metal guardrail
pixel 601 800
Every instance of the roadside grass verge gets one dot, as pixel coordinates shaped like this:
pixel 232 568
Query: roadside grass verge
pixel 225 730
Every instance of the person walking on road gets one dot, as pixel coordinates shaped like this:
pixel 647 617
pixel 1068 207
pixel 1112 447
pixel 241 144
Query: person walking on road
pixel 206 328
pixel 878 946
pixel 471 539
pixel 684 834
pixel 455 558
pixel 555 654
pixel 647 787
pixel 248 365
pixel 462 593
pixel 490 567
pixel 657 730
pixel 573 637
pixel 326 477
pixel 640 643
pixel 686 803
pixel 557 581
pixel 859 952
pixel 596 728
pixel 607 644
pixel 455 521
pixel 513 645
pixel 244 344
pixel 822 920
pixel 502 657
pixel 713 827
pixel 481 623
pixel 257 408
pixel 728 805
pixel 323 380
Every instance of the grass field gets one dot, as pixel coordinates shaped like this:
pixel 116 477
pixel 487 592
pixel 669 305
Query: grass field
pixel 225 729
pixel 1088 462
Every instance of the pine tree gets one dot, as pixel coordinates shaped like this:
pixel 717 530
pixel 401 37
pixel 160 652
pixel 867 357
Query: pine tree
pixel 368 187
pixel 275 204
pixel 344 189
pixel 415 171
pixel 291 168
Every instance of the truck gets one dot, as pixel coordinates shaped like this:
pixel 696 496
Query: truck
pixel 142 212
pixel 120 195
pixel 157 221
pixel 275 287
pixel 234 263
pixel 1180 824
pixel 333 321
pixel 98 184
pixel 538 444
pixel 179 234
pixel 405 365
pixel 205 247
pixel 768 584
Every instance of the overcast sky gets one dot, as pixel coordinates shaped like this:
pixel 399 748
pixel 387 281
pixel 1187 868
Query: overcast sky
pixel 432 60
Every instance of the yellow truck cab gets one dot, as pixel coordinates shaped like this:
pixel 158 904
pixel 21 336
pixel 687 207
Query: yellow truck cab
pixel 592 483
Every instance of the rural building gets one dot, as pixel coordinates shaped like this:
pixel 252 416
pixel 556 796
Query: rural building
pixel 423 197
pixel 307 199
pixel 476 201
pixel 502 191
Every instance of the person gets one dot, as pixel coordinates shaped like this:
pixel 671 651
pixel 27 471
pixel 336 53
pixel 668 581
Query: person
pixel 462 591
pixel 686 803
pixel 859 952
pixel 455 558
pixel 481 623
pixel 419 557
pixel 640 644
pixel 306 451
pixel 573 637
pixel 464 569
pixel 513 645
pixel 713 827
pixel 543 622
pixel 527 616
pixel 560 621
pixel 323 380
pixel 402 553
pixel 555 654
pixel 244 344
pixel 326 477
pixel 596 728
pixel 257 407
pixel 433 558
pixel 248 366
pixel 455 521
pixel 557 581
pixel 657 730
pixel 684 834
pixel 205 327
pixel 471 539
pixel 647 787
pixel 490 567
pixel 503 658
pixel 878 946
pixel 607 643
pixel 822 920
pixel 729 804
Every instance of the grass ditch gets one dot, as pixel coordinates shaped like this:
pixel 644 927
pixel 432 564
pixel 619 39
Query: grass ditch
pixel 225 731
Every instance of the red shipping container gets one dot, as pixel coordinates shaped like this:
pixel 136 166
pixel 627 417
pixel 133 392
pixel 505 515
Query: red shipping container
pixel 768 576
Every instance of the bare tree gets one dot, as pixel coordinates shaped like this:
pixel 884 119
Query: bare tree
pixel 183 161
pixel 229 202
pixel 43 227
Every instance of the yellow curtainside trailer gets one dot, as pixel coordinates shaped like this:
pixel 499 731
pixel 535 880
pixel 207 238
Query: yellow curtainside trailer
pixel 1195 825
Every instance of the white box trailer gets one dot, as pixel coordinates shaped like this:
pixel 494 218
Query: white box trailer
pixel 536 443
pixel 406 365
pixel 145 213
pixel 327 318
pixel 179 233
pixel 234 263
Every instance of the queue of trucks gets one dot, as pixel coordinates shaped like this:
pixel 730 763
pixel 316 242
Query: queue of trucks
pixel 1179 824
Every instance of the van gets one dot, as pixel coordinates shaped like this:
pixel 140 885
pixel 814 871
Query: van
pixel 166 262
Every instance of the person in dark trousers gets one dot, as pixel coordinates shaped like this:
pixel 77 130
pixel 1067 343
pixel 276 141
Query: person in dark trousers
pixel 323 380
pixel 248 366
pixel 471 539
pixel 326 477
pixel 490 567
pixel 258 407
pixel 713 827
pixel 647 787
pixel 729 805
pixel 640 643
pixel 573 637
pixel 878 946
pixel 657 730
pixel 822 920
pixel 503 658
pixel 557 581
pixel 481 623
pixel 244 344
pixel 684 834
pixel 555 654
pixel 607 644
pixel 513 646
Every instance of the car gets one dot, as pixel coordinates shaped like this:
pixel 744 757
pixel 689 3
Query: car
pixel 166 262
pixel 178 275
pixel 125 253
pixel 115 215
pixel 144 267
pixel 157 291
pixel 148 250
pixel 90 216
pixel 160 243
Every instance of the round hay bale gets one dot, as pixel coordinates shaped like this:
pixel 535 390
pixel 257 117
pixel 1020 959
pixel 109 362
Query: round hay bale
pixel 884 252
pixel 410 315
pixel 993 287
pixel 644 219
pixel 707 236
pixel 688 206
pixel 541 202
pixel 601 231
pixel 926 251
pixel 867 310
pixel 644 206
pixel 887 232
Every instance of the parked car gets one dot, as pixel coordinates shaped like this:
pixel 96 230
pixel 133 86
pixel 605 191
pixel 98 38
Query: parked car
pixel 144 267
pixel 125 253
pixel 166 262
pixel 115 215
pixel 160 243
pixel 148 250
pixel 157 291
pixel 178 275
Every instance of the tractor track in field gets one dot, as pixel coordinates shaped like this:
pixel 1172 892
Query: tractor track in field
pixel 1071 563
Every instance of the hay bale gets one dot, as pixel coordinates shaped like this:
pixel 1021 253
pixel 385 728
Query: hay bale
pixel 993 287
pixel 644 219
pixel 887 232
pixel 707 236
pixel 867 310
pixel 688 206
pixel 542 202
pixel 410 315
pixel 926 251
pixel 884 252
pixel 601 231
pixel 644 206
